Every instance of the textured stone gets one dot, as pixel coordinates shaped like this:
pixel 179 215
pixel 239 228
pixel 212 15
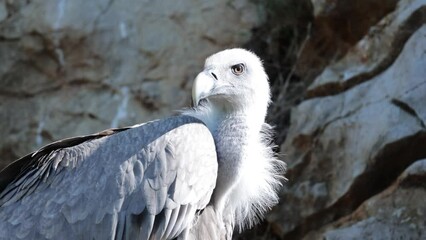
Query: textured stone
pixel 397 213
pixel 345 147
pixel 76 67
pixel 338 25
pixel 373 53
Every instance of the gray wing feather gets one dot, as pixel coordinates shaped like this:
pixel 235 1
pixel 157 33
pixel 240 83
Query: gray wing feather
pixel 172 221
pixel 147 181
pixel 208 227
pixel 180 218
pixel 147 225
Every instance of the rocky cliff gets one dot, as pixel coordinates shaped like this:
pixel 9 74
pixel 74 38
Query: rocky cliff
pixel 356 143
pixel 69 68
pixel 349 89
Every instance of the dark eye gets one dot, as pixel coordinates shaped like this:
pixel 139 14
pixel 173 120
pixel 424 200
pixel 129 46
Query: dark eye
pixel 238 69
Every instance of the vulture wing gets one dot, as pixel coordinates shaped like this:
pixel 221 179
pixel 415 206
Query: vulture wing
pixel 143 182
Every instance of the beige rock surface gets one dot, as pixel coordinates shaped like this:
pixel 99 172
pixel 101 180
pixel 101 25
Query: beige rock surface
pixel 396 213
pixel 76 67
pixel 374 52
pixel 348 143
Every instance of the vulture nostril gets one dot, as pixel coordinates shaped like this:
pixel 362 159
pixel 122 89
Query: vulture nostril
pixel 214 75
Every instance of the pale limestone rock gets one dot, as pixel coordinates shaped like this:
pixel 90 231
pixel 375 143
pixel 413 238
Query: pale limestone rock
pixel 375 51
pixel 357 139
pixel 397 213
pixel 76 67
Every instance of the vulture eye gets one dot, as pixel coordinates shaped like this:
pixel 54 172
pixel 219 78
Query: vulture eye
pixel 238 69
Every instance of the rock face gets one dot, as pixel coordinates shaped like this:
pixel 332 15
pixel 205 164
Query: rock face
pixel 398 212
pixel 356 143
pixel 76 67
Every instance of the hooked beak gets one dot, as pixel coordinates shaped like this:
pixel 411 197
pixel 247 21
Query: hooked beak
pixel 203 85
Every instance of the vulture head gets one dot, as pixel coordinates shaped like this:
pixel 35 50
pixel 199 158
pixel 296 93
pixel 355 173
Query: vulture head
pixel 233 82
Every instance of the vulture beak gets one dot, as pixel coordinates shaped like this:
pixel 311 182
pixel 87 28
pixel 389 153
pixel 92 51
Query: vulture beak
pixel 203 85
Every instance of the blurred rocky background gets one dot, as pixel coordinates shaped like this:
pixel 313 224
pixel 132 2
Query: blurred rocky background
pixel 349 90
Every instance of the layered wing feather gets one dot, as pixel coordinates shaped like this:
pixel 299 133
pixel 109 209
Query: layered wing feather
pixel 145 182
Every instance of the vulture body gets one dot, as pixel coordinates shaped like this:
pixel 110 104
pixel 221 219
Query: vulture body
pixel 192 176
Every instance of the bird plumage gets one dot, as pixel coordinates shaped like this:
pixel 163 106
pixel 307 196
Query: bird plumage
pixel 143 181
pixel 192 176
pixel 234 109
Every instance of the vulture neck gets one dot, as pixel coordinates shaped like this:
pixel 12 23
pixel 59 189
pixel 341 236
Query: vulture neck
pixel 217 117
pixel 243 165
